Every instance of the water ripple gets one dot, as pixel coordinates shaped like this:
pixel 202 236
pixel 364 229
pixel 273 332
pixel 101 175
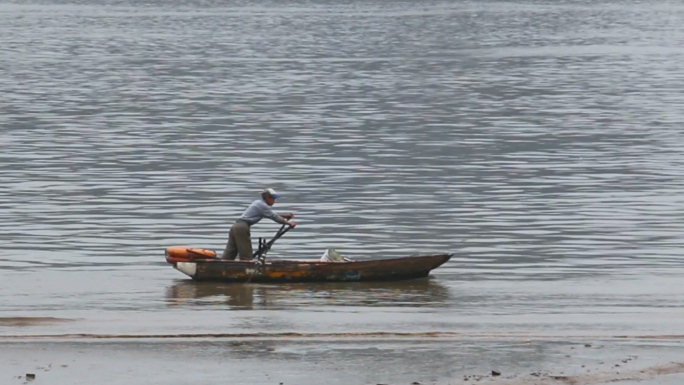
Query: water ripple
pixel 526 138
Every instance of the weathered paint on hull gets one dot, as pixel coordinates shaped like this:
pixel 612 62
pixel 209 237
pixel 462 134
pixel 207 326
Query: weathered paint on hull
pixel 313 271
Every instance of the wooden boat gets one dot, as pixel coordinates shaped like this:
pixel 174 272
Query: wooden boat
pixel 277 270
pixel 203 265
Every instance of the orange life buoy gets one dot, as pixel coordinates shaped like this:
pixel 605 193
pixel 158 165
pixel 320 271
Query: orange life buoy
pixel 187 254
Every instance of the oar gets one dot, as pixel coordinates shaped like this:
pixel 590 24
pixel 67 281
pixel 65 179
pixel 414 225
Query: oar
pixel 264 247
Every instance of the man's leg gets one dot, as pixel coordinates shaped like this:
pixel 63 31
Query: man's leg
pixel 231 250
pixel 243 240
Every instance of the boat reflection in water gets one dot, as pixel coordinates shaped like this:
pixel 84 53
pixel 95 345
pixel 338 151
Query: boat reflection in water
pixel 424 292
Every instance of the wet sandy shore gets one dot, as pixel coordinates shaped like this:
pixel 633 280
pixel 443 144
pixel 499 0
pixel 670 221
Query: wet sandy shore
pixel 31 321
pixel 303 359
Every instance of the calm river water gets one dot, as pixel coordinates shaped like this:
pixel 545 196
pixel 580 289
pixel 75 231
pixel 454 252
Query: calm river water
pixel 540 142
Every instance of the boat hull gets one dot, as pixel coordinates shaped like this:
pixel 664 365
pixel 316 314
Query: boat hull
pixel 312 270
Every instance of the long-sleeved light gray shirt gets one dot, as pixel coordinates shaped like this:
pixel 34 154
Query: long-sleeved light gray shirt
pixel 258 210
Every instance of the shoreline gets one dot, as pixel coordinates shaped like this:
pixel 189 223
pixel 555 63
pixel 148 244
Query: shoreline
pixel 339 360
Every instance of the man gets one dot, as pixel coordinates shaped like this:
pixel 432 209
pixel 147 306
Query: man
pixel 239 237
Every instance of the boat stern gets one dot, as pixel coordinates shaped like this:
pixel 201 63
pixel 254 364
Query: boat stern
pixel 187 268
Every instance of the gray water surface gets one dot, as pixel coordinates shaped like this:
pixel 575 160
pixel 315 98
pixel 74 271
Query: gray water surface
pixel 540 142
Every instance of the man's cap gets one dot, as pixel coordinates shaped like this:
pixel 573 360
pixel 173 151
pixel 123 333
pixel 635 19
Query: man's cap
pixel 271 192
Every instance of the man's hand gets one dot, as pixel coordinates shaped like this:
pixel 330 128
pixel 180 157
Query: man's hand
pixel 291 224
pixel 287 216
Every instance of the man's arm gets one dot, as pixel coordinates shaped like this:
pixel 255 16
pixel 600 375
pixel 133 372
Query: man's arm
pixel 289 217
pixel 282 219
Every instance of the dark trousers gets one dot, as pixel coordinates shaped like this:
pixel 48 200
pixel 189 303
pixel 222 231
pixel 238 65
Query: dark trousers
pixel 239 242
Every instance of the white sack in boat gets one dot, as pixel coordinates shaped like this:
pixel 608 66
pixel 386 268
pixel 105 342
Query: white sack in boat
pixel 332 255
